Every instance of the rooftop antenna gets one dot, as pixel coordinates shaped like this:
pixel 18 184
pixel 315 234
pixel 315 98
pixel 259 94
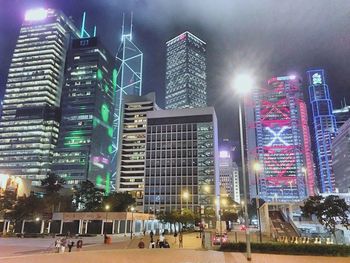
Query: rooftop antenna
pixel 123 27
pixel 83 32
pixel 132 16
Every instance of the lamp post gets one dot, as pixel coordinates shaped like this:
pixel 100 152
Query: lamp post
pixel 223 204
pixel 107 207
pixel 257 168
pixel 243 84
pixel 132 209
pixel 186 196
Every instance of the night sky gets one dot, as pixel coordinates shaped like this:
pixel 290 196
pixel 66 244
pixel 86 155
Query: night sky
pixel 266 37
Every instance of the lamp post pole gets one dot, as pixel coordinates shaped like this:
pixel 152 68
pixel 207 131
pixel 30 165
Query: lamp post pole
pixel 257 202
pixel 246 223
pixel 132 220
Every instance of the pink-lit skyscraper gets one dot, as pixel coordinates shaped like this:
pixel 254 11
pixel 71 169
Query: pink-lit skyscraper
pixel 279 140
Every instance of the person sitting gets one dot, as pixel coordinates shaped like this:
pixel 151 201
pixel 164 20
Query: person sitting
pixel 141 244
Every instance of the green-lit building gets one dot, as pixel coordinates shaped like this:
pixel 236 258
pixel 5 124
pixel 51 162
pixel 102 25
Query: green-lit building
pixel 84 143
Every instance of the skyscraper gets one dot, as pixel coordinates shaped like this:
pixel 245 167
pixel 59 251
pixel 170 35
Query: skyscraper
pixel 229 179
pixel 186 84
pixel 30 117
pixel 131 160
pixel 324 129
pixel 279 139
pixel 341 115
pixel 341 158
pixel 128 79
pixel 86 129
pixel 182 169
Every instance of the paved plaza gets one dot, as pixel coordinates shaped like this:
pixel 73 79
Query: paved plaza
pixel 124 250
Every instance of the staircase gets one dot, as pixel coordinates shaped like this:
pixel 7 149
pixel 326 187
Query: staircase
pixel 282 227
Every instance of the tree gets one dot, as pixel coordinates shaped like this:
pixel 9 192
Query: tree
pixel 330 211
pixel 7 200
pixel 119 202
pixel 229 216
pixel 87 197
pixel 169 217
pixel 52 185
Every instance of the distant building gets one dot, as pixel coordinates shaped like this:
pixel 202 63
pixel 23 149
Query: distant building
pixel 186 81
pixel 324 129
pixel 85 137
pixel 131 158
pixel 279 140
pixel 229 179
pixel 30 113
pixel 341 115
pixel 182 169
pixel 341 158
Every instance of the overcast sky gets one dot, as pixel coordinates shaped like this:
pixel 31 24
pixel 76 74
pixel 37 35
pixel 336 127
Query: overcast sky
pixel 268 37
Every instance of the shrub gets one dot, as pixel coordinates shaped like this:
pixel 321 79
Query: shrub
pixel 289 249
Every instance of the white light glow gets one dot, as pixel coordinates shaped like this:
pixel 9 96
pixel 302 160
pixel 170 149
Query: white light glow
pixel 243 83
pixel 35 14
pixel 224 154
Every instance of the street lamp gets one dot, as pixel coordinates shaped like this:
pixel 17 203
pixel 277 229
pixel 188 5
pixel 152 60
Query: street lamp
pixel 257 168
pixel 186 196
pixel 243 84
pixel 37 219
pixel 107 207
pixel 223 204
pixel 132 209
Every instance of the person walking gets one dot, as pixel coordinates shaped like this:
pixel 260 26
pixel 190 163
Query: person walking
pixel 63 245
pixel 175 237
pixel 70 245
pixel 181 240
pixel 152 244
pixel 79 244
pixel 58 245
pixel 151 234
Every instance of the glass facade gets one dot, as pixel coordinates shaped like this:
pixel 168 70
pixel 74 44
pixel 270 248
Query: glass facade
pixel 186 85
pixel 324 129
pixel 30 117
pixel 181 161
pixel 131 160
pixel 341 158
pixel 85 137
pixel 282 140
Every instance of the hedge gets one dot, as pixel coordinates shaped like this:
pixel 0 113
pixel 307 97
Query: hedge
pixel 289 249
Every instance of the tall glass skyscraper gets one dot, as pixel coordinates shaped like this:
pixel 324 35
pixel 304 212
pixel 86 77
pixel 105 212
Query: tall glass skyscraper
pixel 280 142
pixel 128 79
pixel 324 129
pixel 30 117
pixel 85 136
pixel 186 80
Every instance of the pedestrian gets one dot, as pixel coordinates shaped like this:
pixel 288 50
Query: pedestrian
pixel 70 245
pixel 152 244
pixel 144 232
pixel 175 237
pixel 161 240
pixel 63 245
pixel 180 240
pixel 151 234
pixel 141 244
pixel 79 244
pixel 157 243
pixel 58 245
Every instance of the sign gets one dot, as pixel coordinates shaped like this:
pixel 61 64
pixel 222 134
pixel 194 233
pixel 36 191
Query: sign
pixel 316 79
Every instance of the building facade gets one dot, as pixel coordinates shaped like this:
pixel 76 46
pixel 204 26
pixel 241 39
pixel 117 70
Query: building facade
pixel 128 80
pixel 182 169
pixel 186 81
pixel 341 158
pixel 229 176
pixel 341 115
pixel 131 158
pixel 324 129
pixel 85 136
pixel 30 117
pixel 279 140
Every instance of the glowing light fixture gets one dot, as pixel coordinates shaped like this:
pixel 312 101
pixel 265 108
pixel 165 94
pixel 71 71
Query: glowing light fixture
pixel 35 14
pixel 243 83
pixel 224 154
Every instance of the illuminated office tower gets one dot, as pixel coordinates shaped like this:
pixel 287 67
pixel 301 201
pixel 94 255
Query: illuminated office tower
pixel 324 129
pixel 30 117
pixel 131 160
pixel 229 179
pixel 279 139
pixel 186 80
pixel 182 166
pixel 128 79
pixel 86 129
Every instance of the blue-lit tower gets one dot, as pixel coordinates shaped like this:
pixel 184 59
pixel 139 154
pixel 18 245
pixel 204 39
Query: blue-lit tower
pixel 324 129
pixel 128 81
